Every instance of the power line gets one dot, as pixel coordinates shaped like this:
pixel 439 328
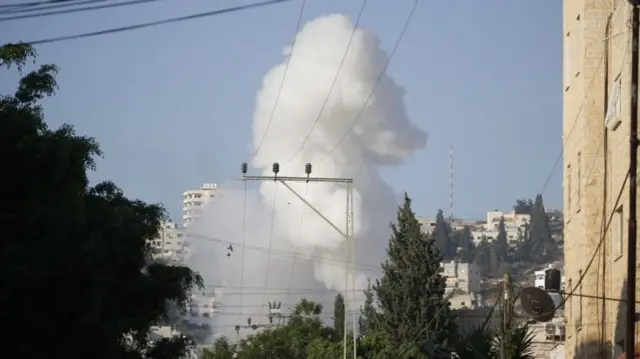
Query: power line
pixel 293 265
pixel 330 261
pixel 333 83
pixel 606 227
pixel 595 253
pixel 56 5
pixel 34 3
pixel 260 292
pixel 273 221
pixel 244 231
pixel 284 77
pixel 157 23
pixel 573 126
pixel 382 73
pixel 70 11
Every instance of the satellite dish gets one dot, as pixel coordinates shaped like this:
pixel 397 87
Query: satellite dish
pixel 537 304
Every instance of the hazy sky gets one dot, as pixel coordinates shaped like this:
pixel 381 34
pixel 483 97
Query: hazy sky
pixel 172 105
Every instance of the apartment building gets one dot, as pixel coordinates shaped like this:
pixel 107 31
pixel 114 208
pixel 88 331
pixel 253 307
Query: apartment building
pixel 194 200
pixel 464 280
pixel 514 223
pixel 596 110
pixel 171 243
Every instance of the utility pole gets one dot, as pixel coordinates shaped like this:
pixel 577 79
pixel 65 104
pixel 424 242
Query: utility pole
pixel 507 315
pixel 347 234
pixel 629 343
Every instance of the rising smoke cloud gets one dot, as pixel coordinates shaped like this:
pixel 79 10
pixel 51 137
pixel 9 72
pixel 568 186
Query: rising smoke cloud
pixel 307 256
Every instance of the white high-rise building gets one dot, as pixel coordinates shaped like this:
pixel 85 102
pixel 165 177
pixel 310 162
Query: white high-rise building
pixel 193 201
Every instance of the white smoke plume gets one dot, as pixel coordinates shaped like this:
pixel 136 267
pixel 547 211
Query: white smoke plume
pixel 307 256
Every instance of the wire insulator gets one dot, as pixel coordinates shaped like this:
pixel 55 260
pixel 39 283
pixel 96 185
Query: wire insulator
pixel 307 169
pixel 244 167
pixel 276 168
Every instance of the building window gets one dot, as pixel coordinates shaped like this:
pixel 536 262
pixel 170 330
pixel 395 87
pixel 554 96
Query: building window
pixel 579 189
pixel 579 319
pixel 577 47
pixel 569 192
pixel 618 233
pixel 566 57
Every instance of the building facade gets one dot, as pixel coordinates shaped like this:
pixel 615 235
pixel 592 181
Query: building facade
pixel 596 109
pixel 514 224
pixel 171 244
pixel 194 200
pixel 463 279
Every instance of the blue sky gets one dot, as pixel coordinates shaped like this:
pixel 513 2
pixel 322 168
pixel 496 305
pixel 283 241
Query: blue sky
pixel 172 105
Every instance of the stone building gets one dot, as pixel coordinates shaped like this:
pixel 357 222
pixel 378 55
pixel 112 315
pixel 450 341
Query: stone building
pixel 596 109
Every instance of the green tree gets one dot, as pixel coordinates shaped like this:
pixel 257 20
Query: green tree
pixel 510 341
pixel 377 346
pixel 367 312
pixel 483 342
pixel 76 258
pixel 465 246
pixel 303 334
pixel 410 294
pixel 321 348
pixel 338 315
pixel 443 237
pixel 523 249
pixel 482 256
pixel 501 243
pixel 523 206
pixel 221 349
pixel 541 245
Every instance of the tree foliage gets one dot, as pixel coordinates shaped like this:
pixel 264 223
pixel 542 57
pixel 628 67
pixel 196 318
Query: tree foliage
pixel 338 315
pixel 76 258
pixel 368 313
pixel 410 293
pixel 523 206
pixel 308 338
pixel 463 240
pixel 536 243
pixel 543 247
pixel 443 237
pixel 483 342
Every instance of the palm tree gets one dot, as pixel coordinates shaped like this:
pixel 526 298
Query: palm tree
pixel 510 341
pixel 483 342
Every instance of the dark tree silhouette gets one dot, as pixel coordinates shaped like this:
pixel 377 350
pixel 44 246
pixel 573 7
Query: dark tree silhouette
pixel 76 259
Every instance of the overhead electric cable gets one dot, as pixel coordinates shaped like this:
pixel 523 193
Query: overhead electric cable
pixel 158 22
pixel 244 232
pixel 34 3
pixel 284 77
pixel 380 77
pixel 273 221
pixel 603 236
pixel 66 4
pixel 333 83
pixel 80 9
pixel 573 125
pixel 293 264
pixel 289 254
